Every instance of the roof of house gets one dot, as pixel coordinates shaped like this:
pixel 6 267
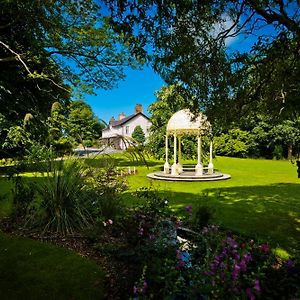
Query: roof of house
pixel 125 120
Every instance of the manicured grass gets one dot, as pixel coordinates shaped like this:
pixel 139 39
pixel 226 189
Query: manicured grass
pixel 34 270
pixel 261 200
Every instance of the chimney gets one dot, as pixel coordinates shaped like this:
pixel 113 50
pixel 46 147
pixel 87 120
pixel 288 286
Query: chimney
pixel 138 108
pixel 121 116
pixel 112 120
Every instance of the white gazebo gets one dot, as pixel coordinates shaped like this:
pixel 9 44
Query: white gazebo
pixel 183 123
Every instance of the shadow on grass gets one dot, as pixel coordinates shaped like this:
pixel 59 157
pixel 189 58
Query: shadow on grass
pixel 269 213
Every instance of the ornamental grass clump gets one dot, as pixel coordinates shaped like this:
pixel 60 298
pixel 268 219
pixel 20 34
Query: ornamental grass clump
pixel 61 199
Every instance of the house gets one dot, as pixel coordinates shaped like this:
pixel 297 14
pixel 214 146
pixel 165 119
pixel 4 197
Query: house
pixel 119 130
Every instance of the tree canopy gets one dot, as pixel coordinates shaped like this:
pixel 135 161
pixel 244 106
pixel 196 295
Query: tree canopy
pixel 82 125
pixel 190 44
pixel 48 51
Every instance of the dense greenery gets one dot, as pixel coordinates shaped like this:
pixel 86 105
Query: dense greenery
pixel 193 52
pixel 139 135
pixel 259 136
pixel 82 125
pixel 50 51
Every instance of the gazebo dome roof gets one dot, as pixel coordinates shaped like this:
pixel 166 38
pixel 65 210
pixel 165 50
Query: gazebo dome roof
pixel 184 122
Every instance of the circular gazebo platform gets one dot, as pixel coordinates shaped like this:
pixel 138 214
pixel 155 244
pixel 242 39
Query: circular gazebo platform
pixel 188 176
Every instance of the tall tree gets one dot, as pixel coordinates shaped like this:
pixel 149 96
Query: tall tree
pixel 139 135
pixel 49 49
pixel 190 39
pixel 82 125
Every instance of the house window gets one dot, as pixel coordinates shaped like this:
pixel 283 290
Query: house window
pixel 127 129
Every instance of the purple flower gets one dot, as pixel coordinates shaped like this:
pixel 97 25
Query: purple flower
pixel 151 237
pixel 189 208
pixel 135 290
pixel 145 286
pixel 243 265
pixel 250 294
pixel 247 257
pixel 290 264
pixel 141 231
pixel 236 271
pixel 257 286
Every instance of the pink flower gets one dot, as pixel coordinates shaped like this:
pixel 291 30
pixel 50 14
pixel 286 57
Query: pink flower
pixel 178 224
pixel 110 221
pixel 264 248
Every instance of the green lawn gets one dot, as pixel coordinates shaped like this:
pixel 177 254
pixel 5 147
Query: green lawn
pixel 261 200
pixel 34 270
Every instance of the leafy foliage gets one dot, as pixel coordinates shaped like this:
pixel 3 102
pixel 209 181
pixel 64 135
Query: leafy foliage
pixel 236 143
pixel 49 51
pixel 82 125
pixel 139 135
pixel 105 189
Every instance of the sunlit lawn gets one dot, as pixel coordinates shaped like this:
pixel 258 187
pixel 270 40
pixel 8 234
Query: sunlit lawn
pixel 261 200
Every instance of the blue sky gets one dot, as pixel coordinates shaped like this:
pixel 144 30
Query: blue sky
pixel 139 86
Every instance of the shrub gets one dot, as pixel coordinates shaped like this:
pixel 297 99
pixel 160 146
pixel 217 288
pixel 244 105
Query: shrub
pixel 61 204
pixel 236 142
pixel 105 188
pixel 278 152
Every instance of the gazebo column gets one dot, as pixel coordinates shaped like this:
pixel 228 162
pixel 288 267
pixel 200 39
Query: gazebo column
pixel 174 169
pixel 179 165
pixel 166 165
pixel 199 166
pixel 210 165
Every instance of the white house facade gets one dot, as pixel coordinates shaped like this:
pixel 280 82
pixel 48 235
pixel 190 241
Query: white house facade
pixel 118 130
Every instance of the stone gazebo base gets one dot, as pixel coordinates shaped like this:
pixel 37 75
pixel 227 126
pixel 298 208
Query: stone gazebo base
pixel 188 176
